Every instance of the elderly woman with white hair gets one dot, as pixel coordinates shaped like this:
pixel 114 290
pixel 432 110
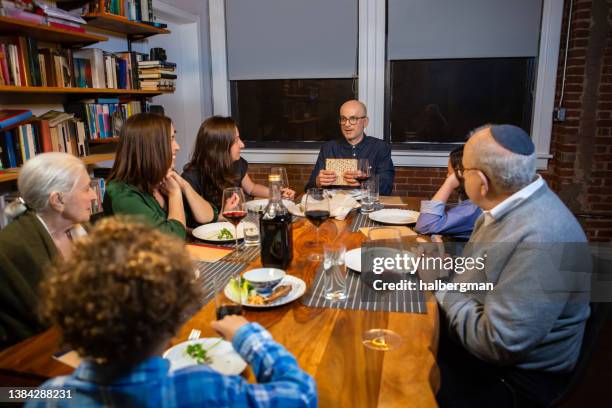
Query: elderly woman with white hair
pixel 55 198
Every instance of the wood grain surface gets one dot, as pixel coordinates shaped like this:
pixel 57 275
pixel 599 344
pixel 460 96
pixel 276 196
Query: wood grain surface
pixel 326 342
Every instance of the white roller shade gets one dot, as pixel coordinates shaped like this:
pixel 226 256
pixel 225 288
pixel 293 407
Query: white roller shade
pixel 432 29
pixel 278 39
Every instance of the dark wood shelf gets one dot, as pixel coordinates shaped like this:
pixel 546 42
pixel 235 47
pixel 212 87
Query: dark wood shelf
pixel 12 26
pixel 13 173
pixel 81 91
pixel 120 24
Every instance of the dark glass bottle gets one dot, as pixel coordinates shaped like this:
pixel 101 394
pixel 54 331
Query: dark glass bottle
pixel 276 229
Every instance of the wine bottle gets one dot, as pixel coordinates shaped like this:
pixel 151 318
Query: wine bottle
pixel 276 229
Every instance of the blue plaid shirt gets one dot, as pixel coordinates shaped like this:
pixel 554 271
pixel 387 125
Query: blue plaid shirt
pixel 281 383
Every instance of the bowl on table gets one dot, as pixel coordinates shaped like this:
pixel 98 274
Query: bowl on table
pixel 264 279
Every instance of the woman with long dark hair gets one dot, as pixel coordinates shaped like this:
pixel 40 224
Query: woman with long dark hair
pixel 216 163
pixel 142 181
pixel 459 220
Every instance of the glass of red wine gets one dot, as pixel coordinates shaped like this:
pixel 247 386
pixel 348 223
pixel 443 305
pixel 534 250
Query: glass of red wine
pixel 228 295
pixel 234 209
pixel 316 210
pixel 364 170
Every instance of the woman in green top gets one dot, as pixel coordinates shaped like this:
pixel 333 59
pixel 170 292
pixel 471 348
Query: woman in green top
pixel 142 181
pixel 55 198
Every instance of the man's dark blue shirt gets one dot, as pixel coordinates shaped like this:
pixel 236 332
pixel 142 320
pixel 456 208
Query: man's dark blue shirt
pixel 377 151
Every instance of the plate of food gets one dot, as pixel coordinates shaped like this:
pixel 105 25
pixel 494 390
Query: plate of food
pixel 258 206
pixel 394 216
pixel 288 289
pixel 218 232
pixel 217 353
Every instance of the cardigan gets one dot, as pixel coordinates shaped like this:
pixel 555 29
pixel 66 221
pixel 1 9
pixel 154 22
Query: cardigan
pixel 26 249
pixel 123 198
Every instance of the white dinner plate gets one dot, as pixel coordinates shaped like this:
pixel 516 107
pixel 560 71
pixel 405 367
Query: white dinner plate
pixel 352 259
pixel 210 232
pixel 298 288
pixel 394 216
pixel 259 205
pixel 225 359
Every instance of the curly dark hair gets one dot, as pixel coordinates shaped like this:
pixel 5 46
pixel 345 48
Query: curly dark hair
pixel 125 287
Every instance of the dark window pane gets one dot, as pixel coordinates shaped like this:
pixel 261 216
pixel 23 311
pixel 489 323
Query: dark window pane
pixel 281 113
pixel 440 101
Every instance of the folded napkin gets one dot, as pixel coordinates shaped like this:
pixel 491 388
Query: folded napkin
pixel 339 206
pixel 207 253
pixel 70 358
pixel 404 231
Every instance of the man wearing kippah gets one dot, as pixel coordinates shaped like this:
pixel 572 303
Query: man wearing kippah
pixel 516 344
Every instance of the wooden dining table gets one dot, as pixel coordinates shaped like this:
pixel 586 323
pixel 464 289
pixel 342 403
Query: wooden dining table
pixel 326 342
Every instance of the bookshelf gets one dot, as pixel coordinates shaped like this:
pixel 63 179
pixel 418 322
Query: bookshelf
pixel 102 149
pixel 11 26
pixel 82 91
pixel 120 24
pixel 13 173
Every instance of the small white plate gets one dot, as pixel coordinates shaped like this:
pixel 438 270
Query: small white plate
pixel 259 206
pixel 298 288
pixel 352 259
pixel 395 216
pixel 210 232
pixel 225 359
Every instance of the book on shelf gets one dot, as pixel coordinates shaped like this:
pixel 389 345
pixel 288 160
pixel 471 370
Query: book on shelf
pixel 157 75
pixel 42 12
pixel 134 10
pixel 103 117
pixel 10 117
pixel 99 187
pixel 22 63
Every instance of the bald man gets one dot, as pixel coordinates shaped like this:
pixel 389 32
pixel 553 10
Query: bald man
pixel 516 344
pixel 353 120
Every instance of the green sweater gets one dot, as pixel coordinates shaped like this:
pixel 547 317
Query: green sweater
pixel 26 249
pixel 122 198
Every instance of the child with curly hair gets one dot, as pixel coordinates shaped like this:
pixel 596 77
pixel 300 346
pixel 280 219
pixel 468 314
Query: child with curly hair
pixel 121 297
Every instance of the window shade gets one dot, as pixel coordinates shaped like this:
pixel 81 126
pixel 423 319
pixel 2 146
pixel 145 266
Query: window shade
pixel 432 29
pixel 279 39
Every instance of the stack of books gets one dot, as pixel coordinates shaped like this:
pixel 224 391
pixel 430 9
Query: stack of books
pixel 103 117
pixel 135 10
pixel 52 132
pixel 59 18
pixel 22 63
pixel 42 12
pixel 157 75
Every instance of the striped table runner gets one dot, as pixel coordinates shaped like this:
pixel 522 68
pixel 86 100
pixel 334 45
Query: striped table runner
pixel 220 269
pixel 361 297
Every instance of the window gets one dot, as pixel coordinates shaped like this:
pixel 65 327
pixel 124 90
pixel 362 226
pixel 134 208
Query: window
pixel 434 103
pixel 295 112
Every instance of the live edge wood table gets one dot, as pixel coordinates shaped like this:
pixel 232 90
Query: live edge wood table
pixel 326 342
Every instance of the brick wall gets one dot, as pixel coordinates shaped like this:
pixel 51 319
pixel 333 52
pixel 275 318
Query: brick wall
pixel 581 168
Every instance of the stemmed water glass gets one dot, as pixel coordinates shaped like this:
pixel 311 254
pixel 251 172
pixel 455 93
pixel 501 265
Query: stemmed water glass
pixel 234 209
pixel 385 241
pixel 316 210
pixel 283 176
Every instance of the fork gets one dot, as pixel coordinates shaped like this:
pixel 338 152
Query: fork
pixel 194 335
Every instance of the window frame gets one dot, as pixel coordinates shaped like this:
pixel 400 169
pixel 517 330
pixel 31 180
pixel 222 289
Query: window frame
pixel 373 78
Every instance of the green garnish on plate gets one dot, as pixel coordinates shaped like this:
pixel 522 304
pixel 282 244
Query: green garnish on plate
pixel 225 234
pixel 198 353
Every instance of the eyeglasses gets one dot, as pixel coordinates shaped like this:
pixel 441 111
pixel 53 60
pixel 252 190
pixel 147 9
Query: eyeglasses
pixel 352 120
pixel 461 172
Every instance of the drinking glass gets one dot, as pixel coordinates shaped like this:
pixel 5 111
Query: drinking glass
pixel 335 272
pixel 363 166
pixel 283 175
pixel 388 241
pixel 369 194
pixel 316 211
pixel 234 209
pixel 251 230
pixel 225 305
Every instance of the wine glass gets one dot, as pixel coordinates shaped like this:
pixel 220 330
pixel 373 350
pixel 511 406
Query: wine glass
pixel 283 176
pixel 316 210
pixel 234 209
pixel 385 241
pixel 364 169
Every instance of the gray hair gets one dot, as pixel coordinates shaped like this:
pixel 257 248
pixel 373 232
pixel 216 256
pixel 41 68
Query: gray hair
pixel 507 171
pixel 41 176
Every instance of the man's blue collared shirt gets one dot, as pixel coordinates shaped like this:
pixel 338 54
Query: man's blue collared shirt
pixel 281 383
pixel 377 151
